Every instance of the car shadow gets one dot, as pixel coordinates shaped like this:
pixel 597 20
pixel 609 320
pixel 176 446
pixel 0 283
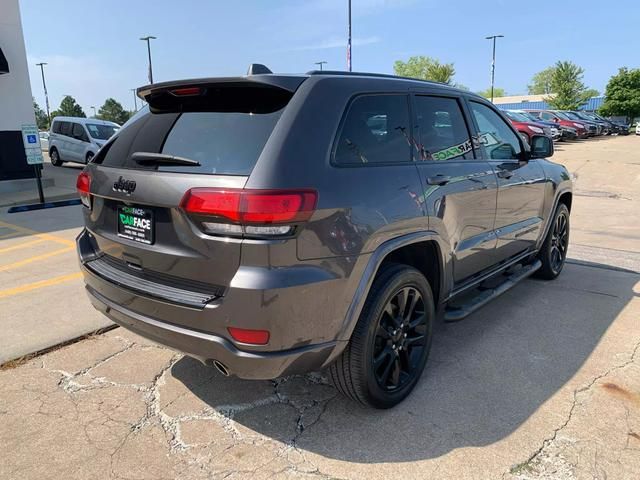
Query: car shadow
pixel 486 376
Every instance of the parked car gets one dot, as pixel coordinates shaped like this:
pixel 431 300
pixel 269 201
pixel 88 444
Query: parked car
pixel 638 128
pixel 553 129
pixel 554 116
pixel 277 224
pixel 44 141
pixel 610 127
pixel 74 139
pixel 600 127
pixel 592 128
pixel 526 127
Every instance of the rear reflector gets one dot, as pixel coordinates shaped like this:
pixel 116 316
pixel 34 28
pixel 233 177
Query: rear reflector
pixel 254 337
pixel 83 185
pixel 256 207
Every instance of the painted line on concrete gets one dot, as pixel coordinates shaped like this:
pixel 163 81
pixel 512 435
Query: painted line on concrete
pixel 43 283
pixel 21 245
pixel 9 235
pixel 34 259
pixel 44 236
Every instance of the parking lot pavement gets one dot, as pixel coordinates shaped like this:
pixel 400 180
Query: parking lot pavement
pixel 543 383
pixel 42 299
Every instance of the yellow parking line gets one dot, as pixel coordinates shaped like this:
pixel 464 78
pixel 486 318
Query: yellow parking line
pixel 21 245
pixel 34 259
pixel 9 235
pixel 43 283
pixel 44 236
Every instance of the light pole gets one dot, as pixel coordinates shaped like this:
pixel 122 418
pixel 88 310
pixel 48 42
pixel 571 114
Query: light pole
pixel 148 39
pixel 135 99
pixel 320 64
pixel 95 115
pixel 44 84
pixel 493 61
pixel 349 41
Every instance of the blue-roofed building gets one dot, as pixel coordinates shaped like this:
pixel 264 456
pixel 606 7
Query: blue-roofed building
pixel 536 102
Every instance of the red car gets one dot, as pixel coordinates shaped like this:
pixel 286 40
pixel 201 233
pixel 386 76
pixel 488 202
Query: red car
pixel 551 116
pixel 526 127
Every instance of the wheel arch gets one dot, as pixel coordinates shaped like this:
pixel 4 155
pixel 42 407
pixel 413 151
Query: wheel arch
pixel 405 249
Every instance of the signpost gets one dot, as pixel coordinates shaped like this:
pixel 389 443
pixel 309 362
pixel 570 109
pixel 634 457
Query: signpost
pixel 31 141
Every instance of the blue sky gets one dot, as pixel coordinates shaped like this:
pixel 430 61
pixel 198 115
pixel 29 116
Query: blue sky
pixel 93 49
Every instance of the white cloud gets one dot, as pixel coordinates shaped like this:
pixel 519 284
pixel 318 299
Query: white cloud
pixel 337 42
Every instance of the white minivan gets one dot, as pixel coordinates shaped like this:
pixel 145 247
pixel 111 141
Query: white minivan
pixel 75 139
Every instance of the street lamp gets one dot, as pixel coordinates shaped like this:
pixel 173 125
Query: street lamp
pixel 44 84
pixel 493 61
pixel 135 99
pixel 349 40
pixel 95 115
pixel 148 39
pixel 320 64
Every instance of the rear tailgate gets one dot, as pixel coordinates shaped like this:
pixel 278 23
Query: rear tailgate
pixel 135 216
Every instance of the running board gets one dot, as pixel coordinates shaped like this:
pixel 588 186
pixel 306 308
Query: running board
pixel 456 312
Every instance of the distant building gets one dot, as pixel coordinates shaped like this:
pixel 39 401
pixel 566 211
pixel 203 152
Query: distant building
pixel 16 102
pixel 536 102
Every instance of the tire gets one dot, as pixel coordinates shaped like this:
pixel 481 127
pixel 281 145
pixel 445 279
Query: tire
pixel 553 253
pixel 400 344
pixel 55 158
pixel 89 157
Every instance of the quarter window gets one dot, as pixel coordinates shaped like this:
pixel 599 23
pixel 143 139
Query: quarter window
pixel 497 139
pixel 376 130
pixel 443 132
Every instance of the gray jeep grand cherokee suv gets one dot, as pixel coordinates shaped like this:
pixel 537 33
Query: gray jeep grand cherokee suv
pixel 277 224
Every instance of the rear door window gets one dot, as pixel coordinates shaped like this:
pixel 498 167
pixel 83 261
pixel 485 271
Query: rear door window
pixel 443 131
pixel 65 128
pixel 376 130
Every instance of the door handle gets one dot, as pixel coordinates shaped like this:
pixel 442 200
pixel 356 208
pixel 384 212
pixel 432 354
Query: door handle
pixel 502 173
pixel 439 180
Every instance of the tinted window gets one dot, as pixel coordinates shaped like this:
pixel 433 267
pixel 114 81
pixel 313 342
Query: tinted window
pixel 78 132
pixel 497 139
pixel 65 128
pixel 443 132
pixel 376 129
pixel 227 143
pixel 55 128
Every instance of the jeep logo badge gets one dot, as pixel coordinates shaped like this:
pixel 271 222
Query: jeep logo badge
pixel 124 186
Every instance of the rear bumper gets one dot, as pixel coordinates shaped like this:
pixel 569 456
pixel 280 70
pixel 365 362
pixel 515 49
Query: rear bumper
pixel 207 348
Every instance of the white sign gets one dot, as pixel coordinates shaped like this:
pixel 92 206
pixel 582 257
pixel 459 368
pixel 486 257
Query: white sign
pixel 31 141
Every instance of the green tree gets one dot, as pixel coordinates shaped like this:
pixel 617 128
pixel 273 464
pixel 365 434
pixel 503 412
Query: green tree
pixel 497 92
pixel 591 92
pixel 541 82
pixel 425 68
pixel 622 95
pixel 41 117
pixel 569 93
pixel 112 111
pixel 68 108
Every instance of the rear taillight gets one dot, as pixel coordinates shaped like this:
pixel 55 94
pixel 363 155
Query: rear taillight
pixel 249 212
pixel 83 185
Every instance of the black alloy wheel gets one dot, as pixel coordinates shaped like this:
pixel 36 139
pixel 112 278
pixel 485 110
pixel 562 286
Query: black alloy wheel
pixel 400 339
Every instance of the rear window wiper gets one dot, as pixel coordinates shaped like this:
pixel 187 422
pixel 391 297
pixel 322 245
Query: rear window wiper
pixel 148 158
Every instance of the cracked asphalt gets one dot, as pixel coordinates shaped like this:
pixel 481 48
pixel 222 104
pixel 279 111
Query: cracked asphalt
pixel 543 383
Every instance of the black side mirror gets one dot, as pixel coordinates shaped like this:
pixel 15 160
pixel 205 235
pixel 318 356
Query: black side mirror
pixel 541 146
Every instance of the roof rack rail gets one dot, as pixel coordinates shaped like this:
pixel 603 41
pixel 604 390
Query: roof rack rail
pixel 368 74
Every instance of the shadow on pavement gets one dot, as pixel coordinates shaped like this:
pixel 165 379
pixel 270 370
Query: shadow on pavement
pixel 486 376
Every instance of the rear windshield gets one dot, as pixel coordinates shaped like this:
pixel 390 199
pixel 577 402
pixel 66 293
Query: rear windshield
pixel 224 142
